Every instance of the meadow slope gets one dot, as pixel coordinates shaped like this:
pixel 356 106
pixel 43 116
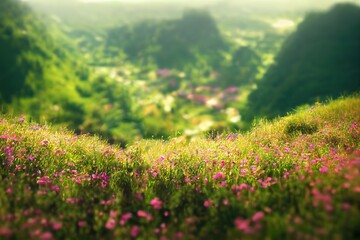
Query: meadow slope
pixel 294 178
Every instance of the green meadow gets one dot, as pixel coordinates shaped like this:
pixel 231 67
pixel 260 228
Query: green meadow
pixel 296 177
pixel 154 119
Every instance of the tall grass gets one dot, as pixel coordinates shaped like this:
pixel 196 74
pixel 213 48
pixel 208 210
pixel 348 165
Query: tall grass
pixel 294 178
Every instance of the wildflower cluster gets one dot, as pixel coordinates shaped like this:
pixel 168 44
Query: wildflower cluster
pixel 267 183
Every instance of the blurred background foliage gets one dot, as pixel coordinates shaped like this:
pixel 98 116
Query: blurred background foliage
pixel 127 71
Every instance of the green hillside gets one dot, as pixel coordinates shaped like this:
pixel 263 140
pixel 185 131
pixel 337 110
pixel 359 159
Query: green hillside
pixel 319 60
pixel 195 36
pixel 39 71
pixel 43 74
pixel 296 177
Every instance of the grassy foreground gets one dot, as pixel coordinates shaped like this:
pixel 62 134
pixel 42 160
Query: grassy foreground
pixel 295 178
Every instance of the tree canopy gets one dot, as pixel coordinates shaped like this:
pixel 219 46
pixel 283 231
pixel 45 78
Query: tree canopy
pixel 172 43
pixel 320 60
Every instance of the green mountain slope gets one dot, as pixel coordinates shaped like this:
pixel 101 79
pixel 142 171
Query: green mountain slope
pixel 321 59
pixel 38 66
pixel 297 177
pixel 178 43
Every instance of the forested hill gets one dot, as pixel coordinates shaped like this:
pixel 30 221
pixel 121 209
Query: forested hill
pixel 320 60
pixel 192 37
pixel 36 60
pixel 43 76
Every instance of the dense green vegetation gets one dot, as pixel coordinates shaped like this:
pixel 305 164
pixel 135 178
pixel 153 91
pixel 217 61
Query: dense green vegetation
pixel 320 60
pixel 167 89
pixel 38 73
pixel 98 84
pixel 194 39
pixel 182 72
pixel 297 177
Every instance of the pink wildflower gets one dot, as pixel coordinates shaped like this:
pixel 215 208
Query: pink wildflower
pixel 144 214
pixel 46 236
pixel 257 216
pixel 35 233
pixel 70 200
pixel 104 184
pixel 135 230
pixel 243 225
pixel 104 176
pixel 44 142
pixel 6 232
pixel 179 235
pixel 124 218
pixel 4 136
pixel 113 214
pixel 219 175
pixel 324 169
pixel 345 206
pixel 44 181
pixel 55 188
pixel 207 203
pixel 82 223
pixel 110 224
pixel 106 202
pixel 156 203
pixel 243 186
pixel 196 178
pixel 56 225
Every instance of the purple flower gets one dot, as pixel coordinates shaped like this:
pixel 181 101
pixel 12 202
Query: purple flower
pixel 44 181
pixel 104 176
pixel 219 175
